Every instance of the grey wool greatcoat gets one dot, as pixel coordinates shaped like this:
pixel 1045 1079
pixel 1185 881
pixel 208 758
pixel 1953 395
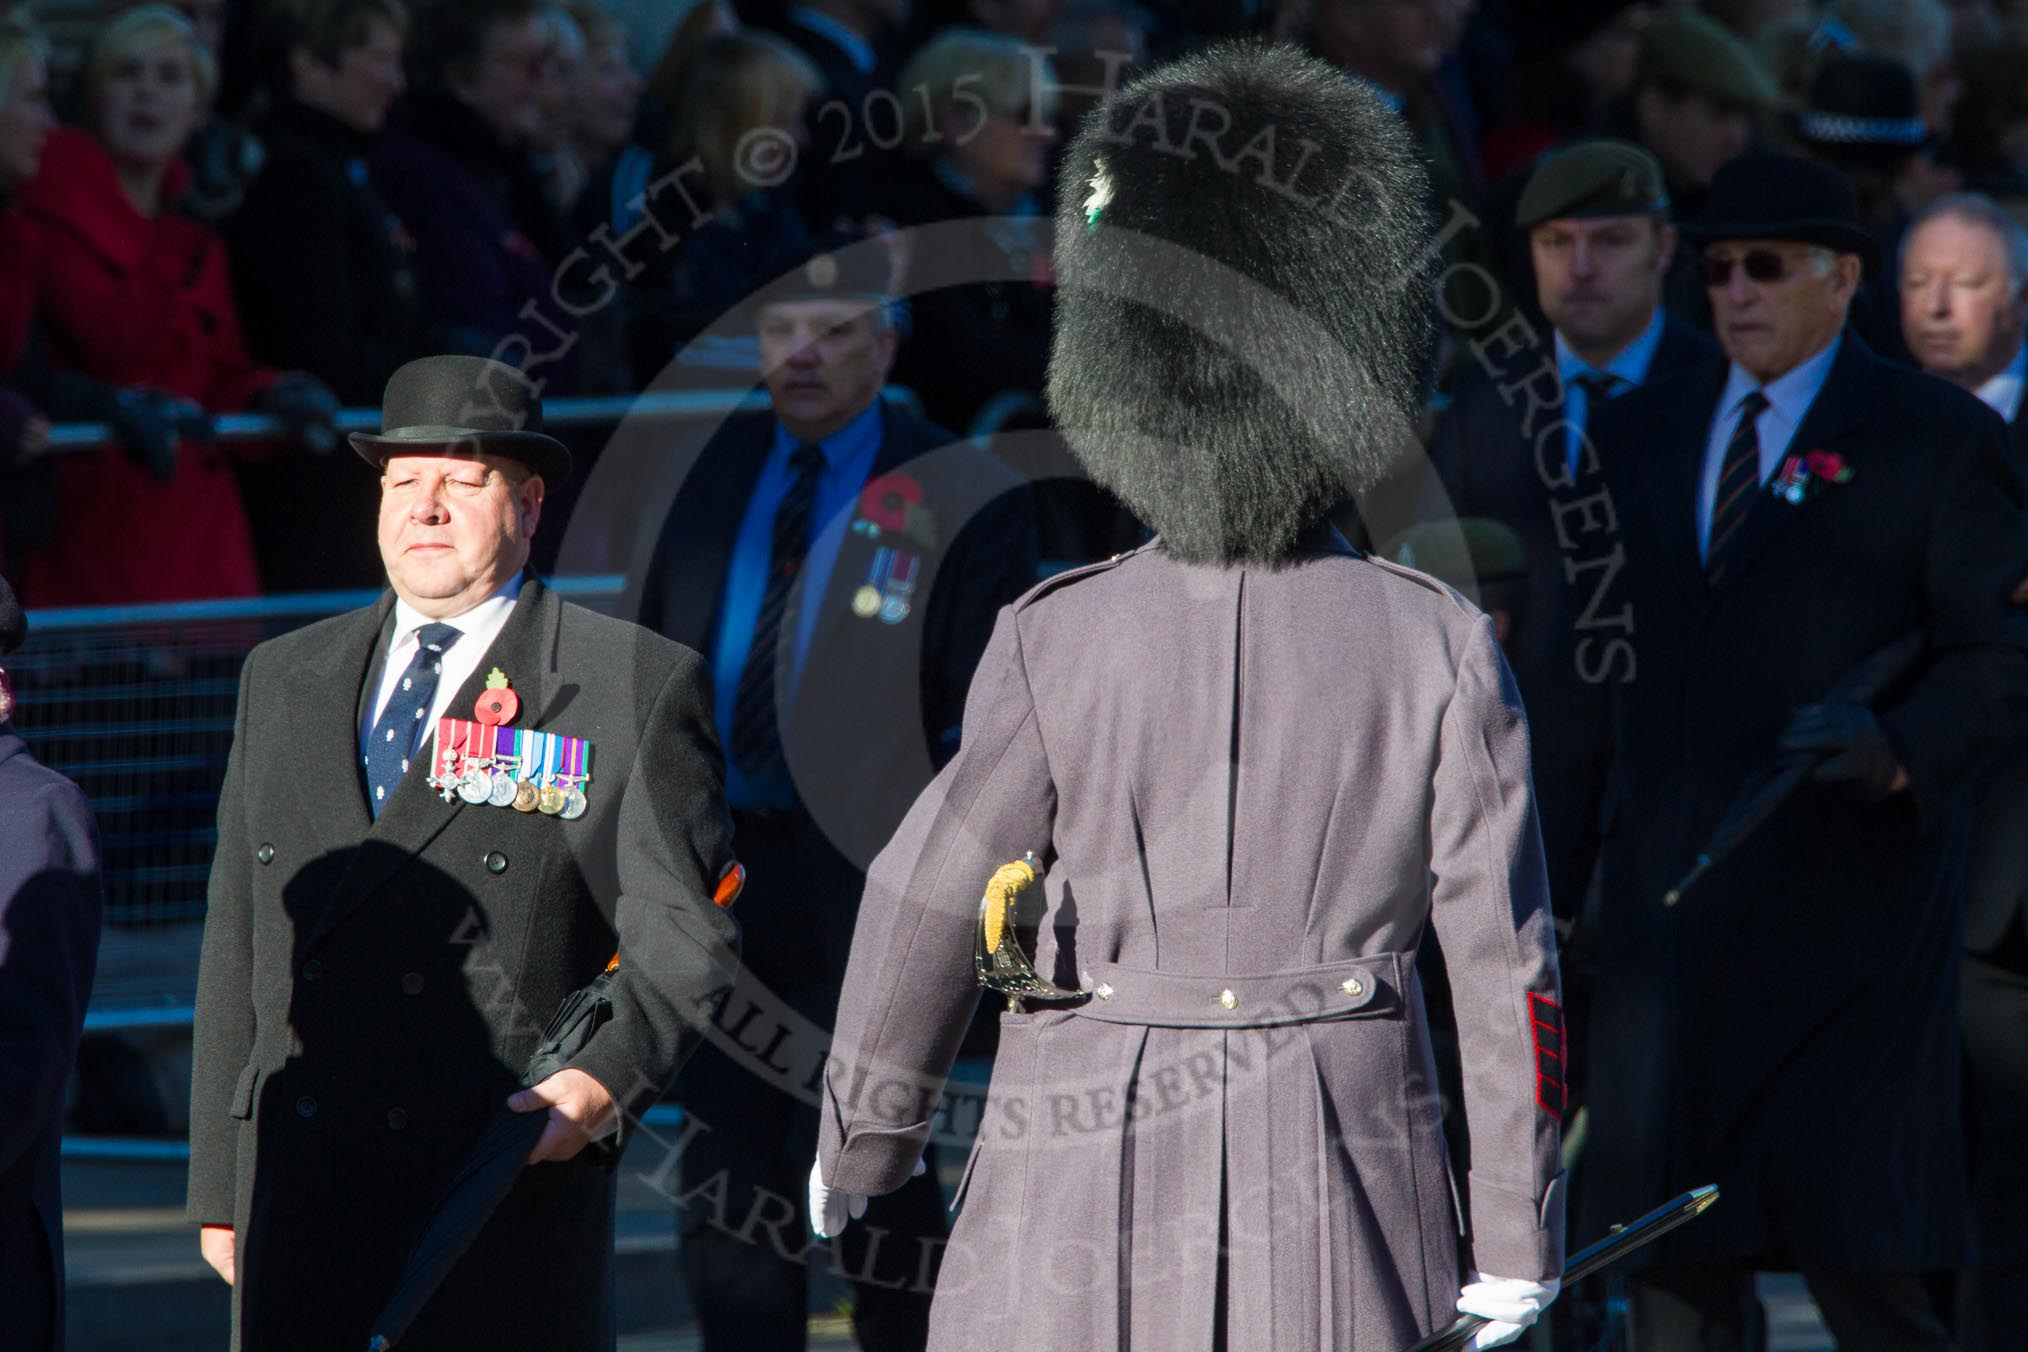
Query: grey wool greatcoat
pixel 1253 789
pixel 371 989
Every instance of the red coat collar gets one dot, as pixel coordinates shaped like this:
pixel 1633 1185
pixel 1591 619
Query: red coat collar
pixel 75 189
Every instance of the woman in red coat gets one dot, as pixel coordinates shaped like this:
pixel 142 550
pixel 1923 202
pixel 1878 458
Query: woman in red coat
pixel 136 295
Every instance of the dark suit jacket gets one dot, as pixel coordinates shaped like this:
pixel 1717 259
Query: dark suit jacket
pixel 1789 1031
pixel 50 904
pixel 878 705
pixel 370 989
pixel 1996 881
pixel 1485 453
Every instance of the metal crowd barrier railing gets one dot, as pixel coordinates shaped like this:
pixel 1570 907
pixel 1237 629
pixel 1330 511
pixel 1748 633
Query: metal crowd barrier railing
pixel 588 411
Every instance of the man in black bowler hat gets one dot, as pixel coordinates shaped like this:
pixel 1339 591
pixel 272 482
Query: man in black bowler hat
pixel 1788 1029
pixel 50 903
pixel 444 813
pixel 839 562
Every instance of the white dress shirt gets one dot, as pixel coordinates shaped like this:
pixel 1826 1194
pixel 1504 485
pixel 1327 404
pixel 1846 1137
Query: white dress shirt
pixel 2002 393
pixel 1789 397
pixel 477 627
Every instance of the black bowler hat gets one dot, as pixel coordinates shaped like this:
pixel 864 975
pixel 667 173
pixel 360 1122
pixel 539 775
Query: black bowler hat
pixel 13 624
pixel 1764 195
pixel 464 404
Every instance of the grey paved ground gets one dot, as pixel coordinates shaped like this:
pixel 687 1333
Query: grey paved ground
pixel 137 1282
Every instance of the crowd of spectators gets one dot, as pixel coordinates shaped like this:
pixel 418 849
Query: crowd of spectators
pixel 327 188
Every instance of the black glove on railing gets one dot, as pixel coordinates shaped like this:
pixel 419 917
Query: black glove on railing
pixel 307 409
pixel 152 423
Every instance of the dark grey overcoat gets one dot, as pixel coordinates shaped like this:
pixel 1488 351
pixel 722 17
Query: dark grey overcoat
pixel 1253 789
pixel 51 902
pixel 370 990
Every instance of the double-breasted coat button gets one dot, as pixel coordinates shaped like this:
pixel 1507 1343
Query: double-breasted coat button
pixel 411 983
pixel 306 1106
pixel 396 1119
pixel 496 862
pixel 1228 1000
pixel 266 853
pixel 313 969
pixel 1104 990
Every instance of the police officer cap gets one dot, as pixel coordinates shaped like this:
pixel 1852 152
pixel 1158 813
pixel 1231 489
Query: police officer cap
pixel 1685 50
pixel 13 624
pixel 1592 178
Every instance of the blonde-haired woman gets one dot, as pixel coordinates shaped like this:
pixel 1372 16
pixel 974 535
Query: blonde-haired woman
pixel 134 294
pixel 980 119
pixel 737 122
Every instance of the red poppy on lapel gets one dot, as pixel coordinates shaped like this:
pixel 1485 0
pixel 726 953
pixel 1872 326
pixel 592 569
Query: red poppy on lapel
pixel 1828 466
pixel 885 501
pixel 1803 473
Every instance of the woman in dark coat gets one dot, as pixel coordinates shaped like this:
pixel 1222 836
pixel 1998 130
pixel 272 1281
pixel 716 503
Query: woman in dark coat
pixel 458 173
pixel 324 273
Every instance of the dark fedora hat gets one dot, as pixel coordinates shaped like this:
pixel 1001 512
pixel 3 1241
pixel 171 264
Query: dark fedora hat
pixel 13 624
pixel 464 404
pixel 1764 195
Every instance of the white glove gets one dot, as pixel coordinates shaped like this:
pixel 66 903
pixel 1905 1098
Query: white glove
pixel 830 1208
pixel 1510 1304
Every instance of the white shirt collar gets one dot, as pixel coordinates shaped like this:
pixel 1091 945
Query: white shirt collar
pixel 485 617
pixel 2002 393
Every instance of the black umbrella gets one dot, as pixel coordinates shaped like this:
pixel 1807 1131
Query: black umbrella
pixel 1623 1240
pixel 1770 788
pixel 491 1166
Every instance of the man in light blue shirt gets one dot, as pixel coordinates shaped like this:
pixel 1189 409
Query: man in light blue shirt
pixel 839 562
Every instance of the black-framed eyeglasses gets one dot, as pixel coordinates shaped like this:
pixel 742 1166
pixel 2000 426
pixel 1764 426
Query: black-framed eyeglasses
pixel 1762 265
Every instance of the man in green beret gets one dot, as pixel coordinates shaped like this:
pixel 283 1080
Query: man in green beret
pixel 1697 90
pixel 1511 448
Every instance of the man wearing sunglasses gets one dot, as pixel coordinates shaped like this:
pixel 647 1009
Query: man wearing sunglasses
pixel 1788 1029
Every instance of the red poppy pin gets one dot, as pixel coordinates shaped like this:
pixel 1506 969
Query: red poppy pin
pixel 498 704
pixel 893 504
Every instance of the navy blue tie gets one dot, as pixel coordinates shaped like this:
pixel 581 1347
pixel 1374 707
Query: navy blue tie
pixel 400 729
pixel 756 743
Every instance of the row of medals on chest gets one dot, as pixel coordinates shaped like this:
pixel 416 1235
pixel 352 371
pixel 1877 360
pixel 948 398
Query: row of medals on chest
pixel 485 762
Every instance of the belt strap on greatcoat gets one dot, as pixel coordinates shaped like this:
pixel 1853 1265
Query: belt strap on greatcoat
pixel 1368 987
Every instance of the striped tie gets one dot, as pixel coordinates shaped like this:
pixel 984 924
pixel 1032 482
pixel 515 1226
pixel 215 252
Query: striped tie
pixel 756 733
pixel 1738 476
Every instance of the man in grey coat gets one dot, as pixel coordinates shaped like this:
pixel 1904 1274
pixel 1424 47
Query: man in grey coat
pixel 1256 764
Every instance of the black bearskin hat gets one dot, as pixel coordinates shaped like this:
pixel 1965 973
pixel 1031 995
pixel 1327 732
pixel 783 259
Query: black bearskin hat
pixel 1244 324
